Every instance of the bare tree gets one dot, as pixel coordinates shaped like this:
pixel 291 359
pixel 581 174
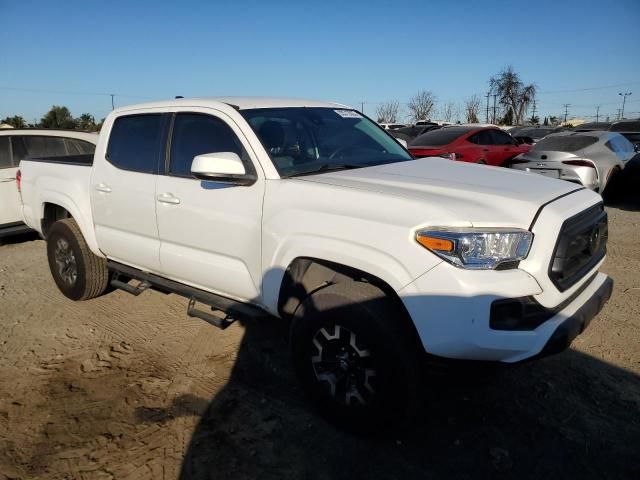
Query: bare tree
pixel 472 108
pixel 513 93
pixel 449 112
pixel 387 112
pixel 421 105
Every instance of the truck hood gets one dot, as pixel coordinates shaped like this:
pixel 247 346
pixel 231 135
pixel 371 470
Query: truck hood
pixel 468 193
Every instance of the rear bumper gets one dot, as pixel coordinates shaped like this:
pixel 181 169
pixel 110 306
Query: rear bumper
pixel 574 325
pixel 585 176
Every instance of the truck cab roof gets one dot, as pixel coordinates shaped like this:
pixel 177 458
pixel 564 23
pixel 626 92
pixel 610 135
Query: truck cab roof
pixel 239 103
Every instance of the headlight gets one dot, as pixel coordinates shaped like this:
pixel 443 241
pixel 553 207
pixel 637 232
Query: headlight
pixel 476 248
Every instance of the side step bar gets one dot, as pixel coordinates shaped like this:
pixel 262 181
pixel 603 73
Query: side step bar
pixel 224 310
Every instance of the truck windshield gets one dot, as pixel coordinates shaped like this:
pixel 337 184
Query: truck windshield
pixel 308 140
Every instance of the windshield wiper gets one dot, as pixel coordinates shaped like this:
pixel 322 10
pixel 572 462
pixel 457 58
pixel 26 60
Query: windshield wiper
pixel 328 167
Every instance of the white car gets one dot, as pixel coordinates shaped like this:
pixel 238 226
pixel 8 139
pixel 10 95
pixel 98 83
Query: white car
pixel 308 211
pixel 16 144
pixel 590 159
pixel 392 126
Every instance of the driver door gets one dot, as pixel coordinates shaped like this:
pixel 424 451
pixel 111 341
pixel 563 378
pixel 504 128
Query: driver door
pixel 210 232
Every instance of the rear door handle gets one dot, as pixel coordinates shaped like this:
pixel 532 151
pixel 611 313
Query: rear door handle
pixel 101 187
pixel 168 198
pixel 7 179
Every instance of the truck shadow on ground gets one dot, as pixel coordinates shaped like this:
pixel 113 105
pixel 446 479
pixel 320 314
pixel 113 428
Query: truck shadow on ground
pixel 570 415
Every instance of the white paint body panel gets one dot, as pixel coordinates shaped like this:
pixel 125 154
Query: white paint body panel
pixel 239 240
pixel 10 208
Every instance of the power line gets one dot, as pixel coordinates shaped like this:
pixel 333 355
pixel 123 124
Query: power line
pixel 589 88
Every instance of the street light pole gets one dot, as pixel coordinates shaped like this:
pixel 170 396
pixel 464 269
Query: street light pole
pixel 624 99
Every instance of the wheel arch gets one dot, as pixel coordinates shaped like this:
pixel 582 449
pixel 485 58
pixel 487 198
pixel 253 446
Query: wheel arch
pixel 306 275
pixel 57 207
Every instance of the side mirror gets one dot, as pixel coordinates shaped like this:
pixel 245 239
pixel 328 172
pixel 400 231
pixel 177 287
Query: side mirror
pixel 221 167
pixel 402 142
pixel 636 147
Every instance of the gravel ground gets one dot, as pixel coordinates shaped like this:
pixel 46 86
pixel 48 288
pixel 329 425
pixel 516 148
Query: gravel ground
pixel 131 388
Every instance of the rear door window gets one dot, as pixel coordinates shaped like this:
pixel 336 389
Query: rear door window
pixel 5 153
pixel 43 146
pixel 483 137
pixel 135 142
pixel 501 138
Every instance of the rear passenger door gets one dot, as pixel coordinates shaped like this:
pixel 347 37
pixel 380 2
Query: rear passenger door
pixel 123 187
pixel 210 232
pixel 10 207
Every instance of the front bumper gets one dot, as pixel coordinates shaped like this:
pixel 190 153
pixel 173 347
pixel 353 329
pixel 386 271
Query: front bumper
pixel 454 324
pixel 574 325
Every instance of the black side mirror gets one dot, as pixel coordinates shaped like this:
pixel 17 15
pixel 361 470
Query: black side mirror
pixel 636 147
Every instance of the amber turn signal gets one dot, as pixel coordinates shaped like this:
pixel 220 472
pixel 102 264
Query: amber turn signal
pixel 434 243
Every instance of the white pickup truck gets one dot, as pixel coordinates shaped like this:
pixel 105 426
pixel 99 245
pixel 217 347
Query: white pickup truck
pixel 311 212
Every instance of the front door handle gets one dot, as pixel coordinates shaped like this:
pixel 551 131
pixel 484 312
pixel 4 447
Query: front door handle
pixel 7 179
pixel 168 198
pixel 101 187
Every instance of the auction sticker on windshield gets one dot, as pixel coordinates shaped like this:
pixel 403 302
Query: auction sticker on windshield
pixel 348 114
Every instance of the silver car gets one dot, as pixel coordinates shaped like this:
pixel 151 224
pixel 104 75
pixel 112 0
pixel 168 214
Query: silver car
pixel 588 158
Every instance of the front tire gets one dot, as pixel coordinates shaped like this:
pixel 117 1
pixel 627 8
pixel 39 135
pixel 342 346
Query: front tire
pixel 356 358
pixel 78 273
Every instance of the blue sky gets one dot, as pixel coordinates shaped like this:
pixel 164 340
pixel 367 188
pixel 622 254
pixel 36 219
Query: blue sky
pixel 76 53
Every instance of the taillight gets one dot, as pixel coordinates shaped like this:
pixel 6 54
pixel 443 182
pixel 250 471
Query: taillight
pixel 579 163
pixel 420 152
pixel 18 180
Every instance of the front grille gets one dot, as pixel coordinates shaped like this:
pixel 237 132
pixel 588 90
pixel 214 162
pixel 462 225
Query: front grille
pixel 582 243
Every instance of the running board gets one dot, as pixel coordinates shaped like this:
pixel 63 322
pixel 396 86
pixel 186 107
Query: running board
pixel 217 318
pixel 132 289
pixel 224 310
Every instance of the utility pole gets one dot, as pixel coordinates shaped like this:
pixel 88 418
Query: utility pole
pixel 533 115
pixel 624 99
pixel 566 111
pixel 488 95
pixel 494 108
pixel 597 112
pixel 112 104
pixel 362 107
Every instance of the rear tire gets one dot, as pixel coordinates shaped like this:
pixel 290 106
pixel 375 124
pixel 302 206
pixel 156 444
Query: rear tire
pixel 78 273
pixel 356 358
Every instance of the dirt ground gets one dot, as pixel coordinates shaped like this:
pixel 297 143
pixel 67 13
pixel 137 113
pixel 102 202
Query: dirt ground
pixel 131 388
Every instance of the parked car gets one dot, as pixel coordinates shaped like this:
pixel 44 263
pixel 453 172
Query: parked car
pixel 630 129
pixel 409 133
pixel 16 144
pixel 590 159
pixel 308 211
pixel 486 145
pixel 392 126
pixel 532 135
pixel 592 126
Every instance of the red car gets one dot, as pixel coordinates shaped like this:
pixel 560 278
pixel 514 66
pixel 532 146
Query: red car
pixel 488 145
